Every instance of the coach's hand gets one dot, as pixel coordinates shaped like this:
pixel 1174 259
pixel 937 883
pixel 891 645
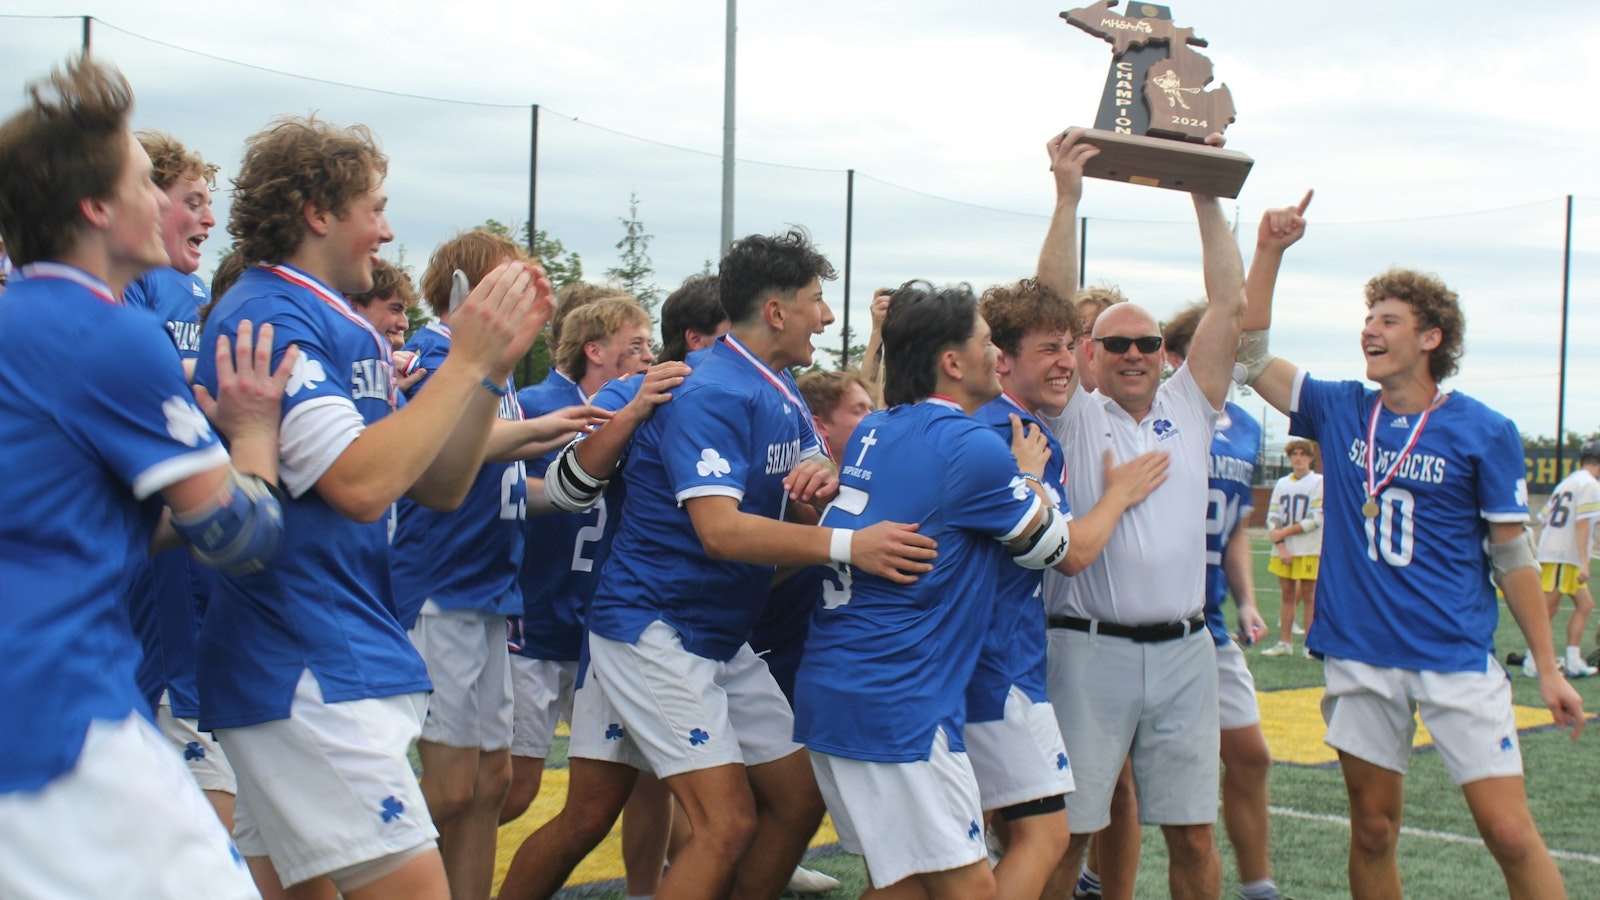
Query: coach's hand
pixel 893 550
pixel 1135 479
pixel 1564 701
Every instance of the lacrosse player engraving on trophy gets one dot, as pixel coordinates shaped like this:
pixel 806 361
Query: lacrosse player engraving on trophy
pixel 1156 110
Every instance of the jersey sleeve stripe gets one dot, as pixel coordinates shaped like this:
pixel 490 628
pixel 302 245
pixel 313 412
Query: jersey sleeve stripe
pixel 709 490
pixel 1016 530
pixel 311 438
pixel 1294 392
pixel 1503 516
pixel 174 469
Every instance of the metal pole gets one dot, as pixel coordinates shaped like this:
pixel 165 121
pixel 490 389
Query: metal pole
pixel 849 227
pixel 1083 247
pixel 533 181
pixel 729 72
pixel 86 28
pixel 1561 393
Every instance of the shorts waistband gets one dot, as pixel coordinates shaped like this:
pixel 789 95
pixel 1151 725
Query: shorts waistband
pixel 1141 634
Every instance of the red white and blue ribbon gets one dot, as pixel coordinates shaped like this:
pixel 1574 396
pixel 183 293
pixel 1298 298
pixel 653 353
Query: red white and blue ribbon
pixel 765 370
pixel 342 307
pixel 73 274
pixel 1373 486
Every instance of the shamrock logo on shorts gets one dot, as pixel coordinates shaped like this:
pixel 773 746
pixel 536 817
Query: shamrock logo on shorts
pixel 1061 761
pixel 185 422
pixel 711 463
pixel 193 752
pixel 392 808
pixel 1505 745
pixel 973 831
pixel 698 737
pixel 614 732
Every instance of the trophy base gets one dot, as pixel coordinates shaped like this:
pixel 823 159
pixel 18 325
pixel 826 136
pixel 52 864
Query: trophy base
pixel 1165 163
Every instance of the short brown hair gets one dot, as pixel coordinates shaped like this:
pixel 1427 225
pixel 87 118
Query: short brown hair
pixel 1435 306
pixel 296 161
pixel 596 321
pixel 1179 331
pixel 475 253
pixel 69 143
pixel 824 391
pixel 388 280
pixel 171 162
pixel 1015 310
pixel 1301 446
pixel 1099 297
pixel 574 297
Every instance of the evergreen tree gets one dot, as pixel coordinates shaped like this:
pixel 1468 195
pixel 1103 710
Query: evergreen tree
pixel 633 272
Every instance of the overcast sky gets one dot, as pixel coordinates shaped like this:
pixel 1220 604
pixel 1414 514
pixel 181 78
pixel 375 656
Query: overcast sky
pixel 1438 136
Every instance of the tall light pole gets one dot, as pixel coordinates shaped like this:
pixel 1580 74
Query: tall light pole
pixel 730 70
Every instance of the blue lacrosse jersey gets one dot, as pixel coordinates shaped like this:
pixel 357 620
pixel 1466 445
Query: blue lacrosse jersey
pixel 176 298
pixel 96 419
pixel 886 664
pixel 734 428
pixel 1014 646
pixel 1235 447
pixel 1409 589
pixel 467 558
pixel 168 594
pixel 779 636
pixel 324 603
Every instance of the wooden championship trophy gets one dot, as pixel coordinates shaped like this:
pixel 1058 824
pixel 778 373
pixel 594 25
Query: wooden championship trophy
pixel 1156 111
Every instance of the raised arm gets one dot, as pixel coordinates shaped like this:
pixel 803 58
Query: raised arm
pixel 1216 338
pixel 872 360
pixel 1279 230
pixel 1058 258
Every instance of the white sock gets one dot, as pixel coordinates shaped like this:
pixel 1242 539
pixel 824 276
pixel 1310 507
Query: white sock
pixel 1262 889
pixel 1574 658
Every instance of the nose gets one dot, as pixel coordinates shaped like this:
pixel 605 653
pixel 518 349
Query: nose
pixel 207 218
pixel 827 316
pixel 385 235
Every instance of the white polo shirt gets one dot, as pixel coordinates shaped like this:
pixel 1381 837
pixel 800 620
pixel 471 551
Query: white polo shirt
pixel 1153 569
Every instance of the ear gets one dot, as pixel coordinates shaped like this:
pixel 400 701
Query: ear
pixel 820 427
pixel 773 311
pixel 1431 339
pixel 96 213
pixel 591 352
pixel 316 219
pixel 950 364
pixel 1002 362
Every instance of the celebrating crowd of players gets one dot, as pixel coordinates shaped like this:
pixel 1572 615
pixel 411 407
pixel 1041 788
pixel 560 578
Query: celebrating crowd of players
pixel 984 620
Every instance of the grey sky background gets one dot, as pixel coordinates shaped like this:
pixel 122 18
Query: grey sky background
pixel 1439 136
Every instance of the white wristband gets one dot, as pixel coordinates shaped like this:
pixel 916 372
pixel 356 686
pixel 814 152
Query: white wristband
pixel 839 545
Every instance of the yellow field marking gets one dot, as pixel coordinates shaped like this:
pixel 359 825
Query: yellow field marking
pixel 1292 724
pixel 605 863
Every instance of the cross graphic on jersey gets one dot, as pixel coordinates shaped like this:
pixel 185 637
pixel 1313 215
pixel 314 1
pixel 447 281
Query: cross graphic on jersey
pixel 866 444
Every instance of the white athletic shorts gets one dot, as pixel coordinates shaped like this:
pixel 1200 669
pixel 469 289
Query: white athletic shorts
pixel 126 821
pixel 1371 714
pixel 905 818
pixel 200 753
pixel 1156 702
pixel 330 787
pixel 597 731
pixel 686 712
pixel 1020 757
pixel 1236 689
pixel 470 668
pixel 543 691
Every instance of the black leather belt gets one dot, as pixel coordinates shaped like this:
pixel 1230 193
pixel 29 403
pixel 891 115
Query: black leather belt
pixel 1143 634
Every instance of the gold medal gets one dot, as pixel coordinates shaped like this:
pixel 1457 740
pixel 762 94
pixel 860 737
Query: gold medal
pixel 1370 509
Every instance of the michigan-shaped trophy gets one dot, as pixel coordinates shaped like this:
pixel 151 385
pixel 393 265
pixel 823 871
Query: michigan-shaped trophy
pixel 1158 108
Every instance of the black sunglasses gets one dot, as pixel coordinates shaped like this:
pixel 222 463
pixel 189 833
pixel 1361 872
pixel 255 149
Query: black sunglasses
pixel 1150 343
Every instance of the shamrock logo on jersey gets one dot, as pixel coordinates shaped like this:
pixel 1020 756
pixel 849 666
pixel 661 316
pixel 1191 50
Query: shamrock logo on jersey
pixel 1161 427
pixel 698 737
pixel 307 374
pixel 1522 492
pixel 1019 487
pixel 613 732
pixel 193 752
pixel 711 463
pixel 185 422
pixel 392 808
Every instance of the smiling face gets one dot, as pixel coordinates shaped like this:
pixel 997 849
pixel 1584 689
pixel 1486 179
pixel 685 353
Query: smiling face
pixel 388 316
pixel 1392 345
pixel 620 354
pixel 187 222
pixel 1132 377
pixel 806 314
pixel 354 236
pixel 1040 373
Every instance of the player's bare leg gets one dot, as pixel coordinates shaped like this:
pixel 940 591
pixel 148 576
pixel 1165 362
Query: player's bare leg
pixel 596 794
pixel 1065 877
pixel 646 827
pixel 1246 762
pixel 527 773
pixel 421 878
pixel 722 818
pixel 788 810
pixel 1377 802
pixel 1308 596
pixel 465 789
pixel 973 881
pixel 1194 870
pixel 1116 847
pixel 1033 847
pixel 1500 809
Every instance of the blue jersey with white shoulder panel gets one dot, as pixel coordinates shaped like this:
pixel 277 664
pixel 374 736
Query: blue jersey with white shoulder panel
pixel 325 602
pixel 886 664
pixel 1014 646
pixel 96 419
pixel 734 428
pixel 1410 588
pixel 467 558
pixel 1235 447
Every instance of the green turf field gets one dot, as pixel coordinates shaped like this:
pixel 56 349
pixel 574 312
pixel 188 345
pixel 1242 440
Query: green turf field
pixel 1440 855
